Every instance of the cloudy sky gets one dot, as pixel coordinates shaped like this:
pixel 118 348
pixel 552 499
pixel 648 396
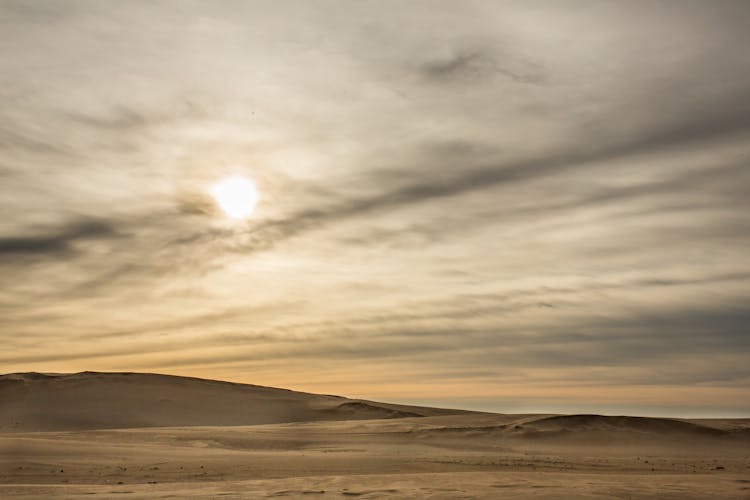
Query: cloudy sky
pixel 516 206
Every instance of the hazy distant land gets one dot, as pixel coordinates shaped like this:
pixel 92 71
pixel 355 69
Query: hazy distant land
pixel 128 435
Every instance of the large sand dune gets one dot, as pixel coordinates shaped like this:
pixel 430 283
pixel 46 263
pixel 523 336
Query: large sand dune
pixel 152 436
pixel 89 400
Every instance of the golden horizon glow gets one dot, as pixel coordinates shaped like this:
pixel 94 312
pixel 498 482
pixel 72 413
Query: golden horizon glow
pixel 237 196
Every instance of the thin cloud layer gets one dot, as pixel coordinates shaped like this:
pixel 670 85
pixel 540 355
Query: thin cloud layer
pixel 542 208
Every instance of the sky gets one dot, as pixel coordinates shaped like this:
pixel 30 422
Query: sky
pixel 511 206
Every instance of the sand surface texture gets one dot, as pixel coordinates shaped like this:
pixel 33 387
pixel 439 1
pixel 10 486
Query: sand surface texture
pixel 154 436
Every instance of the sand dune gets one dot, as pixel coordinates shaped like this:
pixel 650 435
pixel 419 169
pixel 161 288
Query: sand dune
pixel 633 426
pixel 151 436
pixel 594 434
pixel 90 400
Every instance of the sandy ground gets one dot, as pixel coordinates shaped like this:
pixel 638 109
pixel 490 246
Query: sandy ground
pixel 57 440
pixel 438 457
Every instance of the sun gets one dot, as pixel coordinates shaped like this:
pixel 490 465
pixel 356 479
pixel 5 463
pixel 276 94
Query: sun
pixel 236 196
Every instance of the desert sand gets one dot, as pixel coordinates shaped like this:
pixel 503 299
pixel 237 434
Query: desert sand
pixel 120 435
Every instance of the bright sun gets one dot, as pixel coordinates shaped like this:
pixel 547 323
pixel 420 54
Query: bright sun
pixel 237 196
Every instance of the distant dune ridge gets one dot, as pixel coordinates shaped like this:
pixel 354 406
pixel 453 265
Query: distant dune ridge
pixel 93 400
pixel 583 431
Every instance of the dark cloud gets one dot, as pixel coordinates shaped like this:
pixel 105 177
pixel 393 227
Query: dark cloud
pixel 57 242
pixel 267 234
pixel 725 181
pixel 12 140
pixel 652 340
pixel 124 119
pixel 463 63
pixel 472 65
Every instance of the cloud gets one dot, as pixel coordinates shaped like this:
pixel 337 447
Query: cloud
pixel 124 119
pixel 58 242
pixel 265 235
pixel 470 65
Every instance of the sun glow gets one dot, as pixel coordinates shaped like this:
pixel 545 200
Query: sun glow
pixel 236 196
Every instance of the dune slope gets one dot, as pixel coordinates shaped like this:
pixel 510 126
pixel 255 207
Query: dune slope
pixel 91 400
